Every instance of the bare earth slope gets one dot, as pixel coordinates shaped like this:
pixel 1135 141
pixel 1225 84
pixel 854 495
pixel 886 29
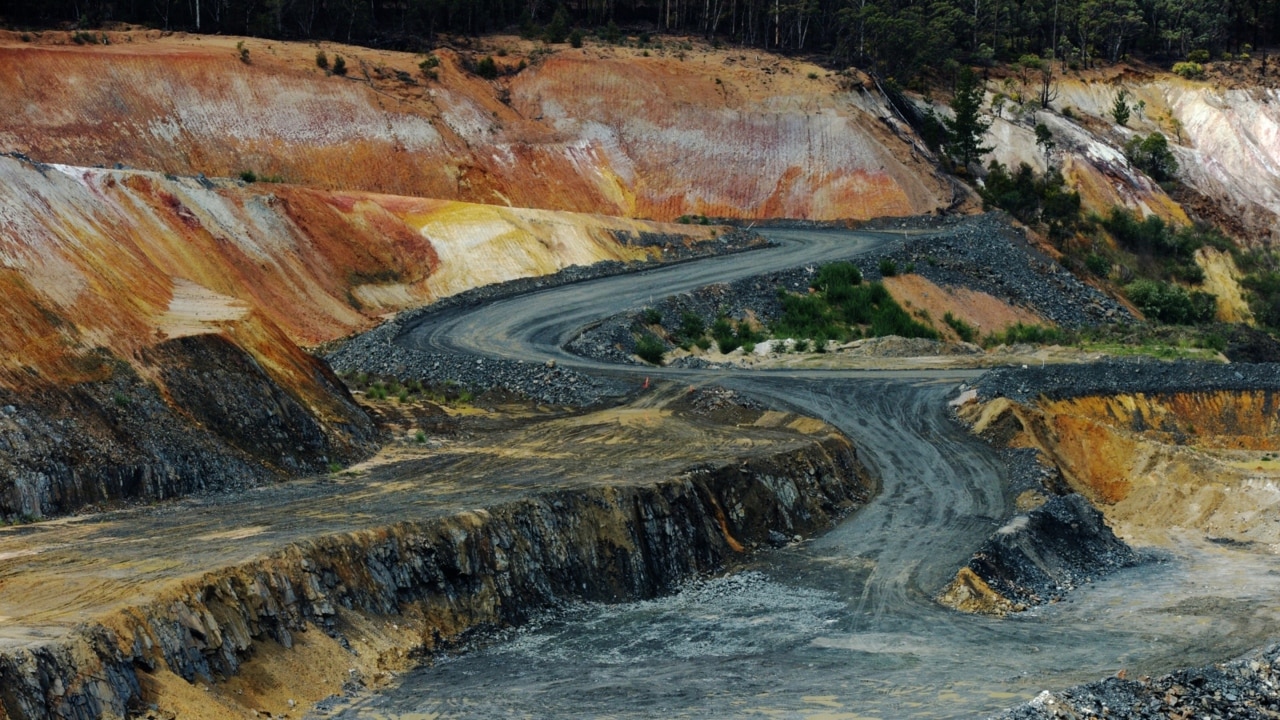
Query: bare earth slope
pixel 597 130
pixel 153 325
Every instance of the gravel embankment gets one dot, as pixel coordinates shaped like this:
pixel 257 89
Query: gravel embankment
pixel 982 253
pixel 542 383
pixel 1245 688
pixel 1125 376
pixel 377 351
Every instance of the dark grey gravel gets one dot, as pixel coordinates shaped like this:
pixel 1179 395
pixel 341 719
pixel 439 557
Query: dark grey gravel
pixel 1245 688
pixel 544 384
pixel 1125 376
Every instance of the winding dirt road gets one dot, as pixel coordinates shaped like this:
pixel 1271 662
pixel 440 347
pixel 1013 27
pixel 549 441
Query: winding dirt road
pixel 844 625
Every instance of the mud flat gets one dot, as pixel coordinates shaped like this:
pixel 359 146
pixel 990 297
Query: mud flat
pixel 267 602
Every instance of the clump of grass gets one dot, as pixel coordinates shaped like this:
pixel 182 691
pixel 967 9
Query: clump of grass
pixel 964 330
pixel 650 349
pixel 1020 333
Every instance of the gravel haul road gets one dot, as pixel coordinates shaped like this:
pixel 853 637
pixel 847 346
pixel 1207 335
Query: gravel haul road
pixel 845 625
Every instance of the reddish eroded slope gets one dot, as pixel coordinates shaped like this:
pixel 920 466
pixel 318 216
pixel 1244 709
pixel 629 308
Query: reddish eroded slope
pixel 152 325
pixel 125 259
pixel 598 130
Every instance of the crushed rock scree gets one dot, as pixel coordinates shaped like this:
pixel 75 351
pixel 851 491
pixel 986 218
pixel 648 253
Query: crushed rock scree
pixel 983 252
pixel 538 382
pixel 1245 688
pixel 1113 377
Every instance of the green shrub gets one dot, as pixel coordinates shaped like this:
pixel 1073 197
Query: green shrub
pixel 891 319
pixel 428 67
pixel 650 349
pixel 1021 333
pixel 611 33
pixel 1098 264
pixel 322 60
pixel 964 330
pixel 420 437
pixel 1152 155
pixel 575 38
pixel 832 314
pixel 1198 56
pixel 1171 304
pixel 248 176
pixel 487 68
pixel 558 29
pixel 243 51
pixel 1212 341
pixel 691 326
pixel 651 316
pixel 1043 200
pixel 339 65
pixel 835 275
pixel 888 268
pixel 1189 70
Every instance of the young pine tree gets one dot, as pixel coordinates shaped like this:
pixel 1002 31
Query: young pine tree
pixel 967 127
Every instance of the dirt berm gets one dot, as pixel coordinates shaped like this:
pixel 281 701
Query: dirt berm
pixel 264 602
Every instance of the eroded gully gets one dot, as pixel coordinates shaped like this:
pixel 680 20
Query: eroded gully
pixel 844 625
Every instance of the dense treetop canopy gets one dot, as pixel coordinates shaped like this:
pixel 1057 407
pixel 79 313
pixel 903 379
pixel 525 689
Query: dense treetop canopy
pixel 897 38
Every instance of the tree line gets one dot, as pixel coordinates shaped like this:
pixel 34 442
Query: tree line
pixel 898 38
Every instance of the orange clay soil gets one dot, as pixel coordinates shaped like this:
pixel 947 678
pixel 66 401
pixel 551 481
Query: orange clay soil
pixel 1155 465
pixel 983 312
pixel 657 133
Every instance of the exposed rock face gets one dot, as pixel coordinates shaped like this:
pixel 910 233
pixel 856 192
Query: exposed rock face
pixel 487 567
pixel 1157 447
pixel 211 419
pixel 1038 557
pixel 616 132
pixel 1223 138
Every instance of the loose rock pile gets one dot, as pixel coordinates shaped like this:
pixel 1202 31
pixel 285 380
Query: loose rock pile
pixel 543 383
pixel 1245 688
pixel 1125 376
pixel 988 254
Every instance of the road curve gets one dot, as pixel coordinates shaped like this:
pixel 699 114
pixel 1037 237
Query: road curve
pixel 942 491
pixel 773 644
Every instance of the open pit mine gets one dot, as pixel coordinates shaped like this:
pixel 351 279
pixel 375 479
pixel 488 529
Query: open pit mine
pixel 627 380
